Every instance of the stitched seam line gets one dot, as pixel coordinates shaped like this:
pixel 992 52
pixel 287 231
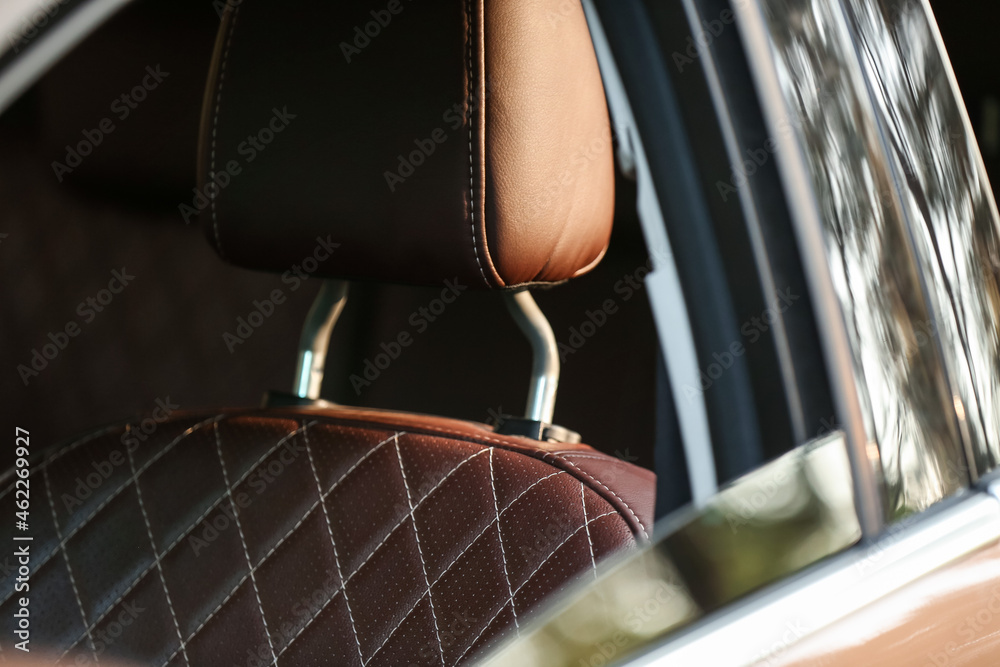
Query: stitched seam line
pixel 472 173
pixel 117 492
pixel 180 538
pixel 480 439
pixel 215 127
pixel 69 568
pixel 333 543
pixel 605 487
pixel 343 584
pixel 470 437
pixel 590 541
pixel 528 580
pixel 243 541
pixel 503 553
pixel 278 545
pixel 459 557
pixel 465 436
pixel 156 557
pixel 420 550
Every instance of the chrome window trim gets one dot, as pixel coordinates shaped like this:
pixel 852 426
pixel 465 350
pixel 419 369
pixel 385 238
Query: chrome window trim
pixel 51 45
pixel 749 632
pixel 804 209
pixel 663 284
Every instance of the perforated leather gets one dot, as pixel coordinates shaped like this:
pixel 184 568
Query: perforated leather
pixel 310 537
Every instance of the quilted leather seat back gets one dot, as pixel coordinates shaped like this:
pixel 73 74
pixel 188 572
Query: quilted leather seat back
pixel 310 537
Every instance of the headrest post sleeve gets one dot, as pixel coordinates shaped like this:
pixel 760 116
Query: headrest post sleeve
pixel 545 355
pixel 316 338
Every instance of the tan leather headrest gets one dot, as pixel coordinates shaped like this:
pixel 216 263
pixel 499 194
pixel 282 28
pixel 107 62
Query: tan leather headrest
pixel 426 139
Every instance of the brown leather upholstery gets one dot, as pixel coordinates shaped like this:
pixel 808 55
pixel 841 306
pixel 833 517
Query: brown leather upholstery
pixel 310 536
pixel 456 140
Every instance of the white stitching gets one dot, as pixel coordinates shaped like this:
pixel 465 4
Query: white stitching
pixel 243 541
pixel 336 556
pixel 187 531
pixel 420 550
pixel 472 187
pixel 159 566
pixel 644 533
pixel 483 631
pixel 343 584
pixel 549 557
pixel 215 125
pixel 277 544
pixel 463 434
pixel 462 553
pixel 503 553
pixel 590 541
pixel 69 568
pixel 596 457
pixel 117 492
pixel 403 520
pixel 544 459
pixel 528 580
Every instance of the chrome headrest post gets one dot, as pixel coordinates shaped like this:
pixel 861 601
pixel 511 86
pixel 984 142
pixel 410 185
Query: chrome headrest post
pixel 315 339
pixel 545 356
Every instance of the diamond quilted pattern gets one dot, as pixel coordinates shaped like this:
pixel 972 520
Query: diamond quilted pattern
pixel 253 539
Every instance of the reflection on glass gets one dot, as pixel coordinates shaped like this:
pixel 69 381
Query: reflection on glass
pixel 948 201
pixel 789 514
pixel 902 383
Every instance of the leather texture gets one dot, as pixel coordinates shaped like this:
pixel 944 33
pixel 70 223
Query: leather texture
pixel 311 536
pixel 459 140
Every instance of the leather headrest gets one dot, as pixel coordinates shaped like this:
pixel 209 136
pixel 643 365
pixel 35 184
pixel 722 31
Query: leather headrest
pixel 430 139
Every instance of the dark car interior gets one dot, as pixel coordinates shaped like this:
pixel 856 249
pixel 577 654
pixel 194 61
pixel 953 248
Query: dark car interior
pixel 107 257
pixel 111 167
pixel 120 207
